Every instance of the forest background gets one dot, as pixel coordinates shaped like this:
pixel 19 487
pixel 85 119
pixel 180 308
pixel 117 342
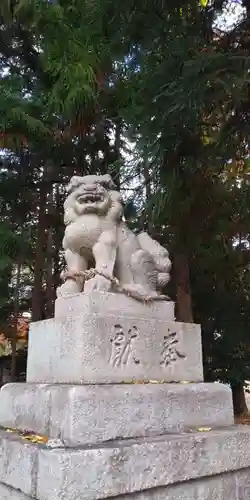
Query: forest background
pixel 157 93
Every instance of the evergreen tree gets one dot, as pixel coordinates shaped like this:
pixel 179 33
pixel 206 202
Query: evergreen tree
pixel 166 78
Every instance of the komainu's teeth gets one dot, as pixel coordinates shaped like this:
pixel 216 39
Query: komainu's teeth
pixel 90 198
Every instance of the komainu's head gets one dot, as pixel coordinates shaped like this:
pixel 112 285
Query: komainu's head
pixel 90 194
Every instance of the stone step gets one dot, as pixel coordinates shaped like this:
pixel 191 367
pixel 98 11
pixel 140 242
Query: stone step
pixel 81 415
pixel 128 467
pixel 97 349
pixel 233 486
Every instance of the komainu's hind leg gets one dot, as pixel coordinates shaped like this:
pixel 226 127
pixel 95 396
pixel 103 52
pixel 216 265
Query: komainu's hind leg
pixel 145 275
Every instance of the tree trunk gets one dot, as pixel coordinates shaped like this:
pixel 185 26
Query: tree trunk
pixel 15 324
pixel 49 260
pixel 239 399
pixel 57 238
pixel 184 311
pixel 37 295
pixel 117 176
pixel 148 212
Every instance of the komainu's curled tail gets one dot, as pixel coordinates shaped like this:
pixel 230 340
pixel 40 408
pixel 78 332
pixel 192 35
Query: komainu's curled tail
pixel 160 256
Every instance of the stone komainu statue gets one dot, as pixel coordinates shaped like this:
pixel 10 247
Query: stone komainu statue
pixel 101 252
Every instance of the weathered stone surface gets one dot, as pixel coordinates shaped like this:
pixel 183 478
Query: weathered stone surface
pixel 230 486
pixel 91 414
pixel 23 405
pixel 100 349
pixel 113 304
pixel 242 479
pixel 133 466
pixel 18 463
pixel 220 487
pixel 8 493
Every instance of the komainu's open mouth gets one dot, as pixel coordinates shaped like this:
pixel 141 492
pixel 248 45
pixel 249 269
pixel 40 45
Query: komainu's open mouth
pixel 89 198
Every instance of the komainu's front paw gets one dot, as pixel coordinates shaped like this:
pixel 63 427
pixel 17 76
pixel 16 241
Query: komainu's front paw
pixel 97 283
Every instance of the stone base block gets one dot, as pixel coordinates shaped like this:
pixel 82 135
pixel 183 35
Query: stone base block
pixel 113 304
pixel 232 486
pixel 199 464
pixel 81 415
pixel 229 486
pixel 96 349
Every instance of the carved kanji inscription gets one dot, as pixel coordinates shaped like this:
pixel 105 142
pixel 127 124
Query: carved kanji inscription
pixel 122 346
pixel 170 352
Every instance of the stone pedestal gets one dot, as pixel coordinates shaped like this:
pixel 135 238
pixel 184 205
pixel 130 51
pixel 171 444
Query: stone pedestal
pixel 86 415
pixel 117 387
pixel 110 338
